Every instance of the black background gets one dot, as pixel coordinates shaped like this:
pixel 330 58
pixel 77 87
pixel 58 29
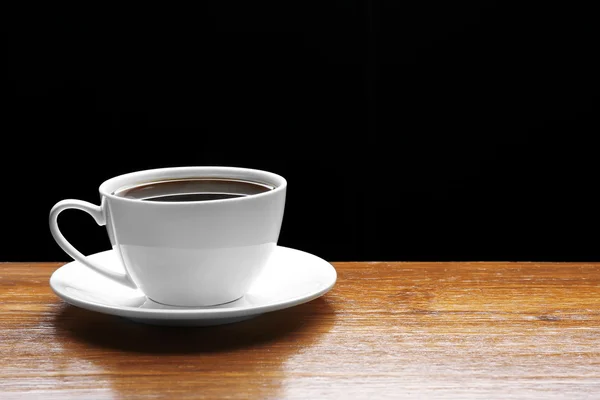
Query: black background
pixel 425 130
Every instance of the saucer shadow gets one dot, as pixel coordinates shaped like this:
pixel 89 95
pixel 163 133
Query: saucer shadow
pixel 305 321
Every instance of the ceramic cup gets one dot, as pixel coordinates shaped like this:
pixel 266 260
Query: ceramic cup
pixel 196 253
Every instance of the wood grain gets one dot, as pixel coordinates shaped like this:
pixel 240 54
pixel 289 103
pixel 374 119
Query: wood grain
pixel 387 330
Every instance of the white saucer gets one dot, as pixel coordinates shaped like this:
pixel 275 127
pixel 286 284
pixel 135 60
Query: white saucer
pixel 290 278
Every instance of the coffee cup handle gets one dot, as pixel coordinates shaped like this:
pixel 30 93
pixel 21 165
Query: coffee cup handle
pixel 99 216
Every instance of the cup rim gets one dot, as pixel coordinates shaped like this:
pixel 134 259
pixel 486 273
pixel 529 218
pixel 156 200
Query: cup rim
pixel 109 186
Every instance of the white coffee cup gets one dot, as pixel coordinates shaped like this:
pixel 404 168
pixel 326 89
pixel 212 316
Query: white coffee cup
pixel 195 253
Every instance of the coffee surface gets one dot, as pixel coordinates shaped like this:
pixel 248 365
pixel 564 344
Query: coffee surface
pixel 196 189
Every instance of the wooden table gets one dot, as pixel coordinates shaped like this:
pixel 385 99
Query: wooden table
pixel 386 330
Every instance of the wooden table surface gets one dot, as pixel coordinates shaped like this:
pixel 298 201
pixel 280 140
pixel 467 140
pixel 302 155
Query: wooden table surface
pixel 386 330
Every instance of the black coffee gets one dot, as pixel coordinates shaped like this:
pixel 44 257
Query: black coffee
pixel 196 189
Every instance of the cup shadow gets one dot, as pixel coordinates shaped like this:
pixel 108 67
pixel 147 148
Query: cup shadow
pixel 306 321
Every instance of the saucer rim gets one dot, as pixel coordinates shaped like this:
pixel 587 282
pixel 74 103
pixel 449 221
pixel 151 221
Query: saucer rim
pixel 192 312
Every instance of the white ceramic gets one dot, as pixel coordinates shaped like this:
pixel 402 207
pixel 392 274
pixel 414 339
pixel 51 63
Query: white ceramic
pixel 291 277
pixel 195 253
